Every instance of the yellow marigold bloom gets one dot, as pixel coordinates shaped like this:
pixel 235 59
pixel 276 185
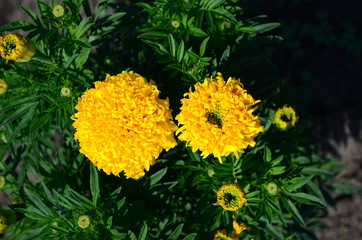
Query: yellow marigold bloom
pixel 84 221
pixel 3 223
pixel 222 235
pixel 3 86
pixel 217 118
pixel 285 118
pixel 2 181
pixel 16 47
pixel 230 197
pixel 122 125
pixel 238 228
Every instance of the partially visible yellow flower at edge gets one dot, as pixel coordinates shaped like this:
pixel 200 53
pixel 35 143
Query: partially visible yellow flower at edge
pixel 285 118
pixel 217 118
pixel 16 47
pixel 122 125
pixel 2 181
pixel 230 197
pixel 3 223
pixel 238 227
pixel 3 86
pixel 222 235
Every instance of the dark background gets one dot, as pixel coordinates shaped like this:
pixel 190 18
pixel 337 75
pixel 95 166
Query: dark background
pixel 322 49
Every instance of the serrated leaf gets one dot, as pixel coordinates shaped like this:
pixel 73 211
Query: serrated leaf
pixel 277 161
pixel 307 199
pixel 17 113
pixel 277 170
pixel 346 188
pixel 174 235
pixel 39 203
pixel 82 57
pixel 267 154
pixel 266 27
pixel 158 176
pixel 83 27
pixel 23 25
pixel 197 32
pixel 143 233
pixel 292 210
pixel 172 44
pixel 94 183
pixel 180 51
pixel 190 236
pixel 153 35
pixel 301 182
pixel 203 46
pixel 29 12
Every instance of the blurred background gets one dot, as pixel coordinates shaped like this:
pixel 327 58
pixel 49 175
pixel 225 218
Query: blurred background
pixel 321 52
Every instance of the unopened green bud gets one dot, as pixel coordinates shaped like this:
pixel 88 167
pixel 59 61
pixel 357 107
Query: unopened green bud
pixel 65 92
pixel 58 10
pixel 272 188
pixel 2 181
pixel 175 24
pixel 84 221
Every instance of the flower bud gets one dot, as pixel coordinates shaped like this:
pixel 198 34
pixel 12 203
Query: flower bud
pixel 16 47
pixel 272 188
pixel 3 86
pixel 58 11
pixel 175 24
pixel 2 181
pixel 84 221
pixel 65 92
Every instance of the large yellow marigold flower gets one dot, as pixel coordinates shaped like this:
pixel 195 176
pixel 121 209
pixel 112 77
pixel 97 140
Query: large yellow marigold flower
pixel 16 47
pixel 230 197
pixel 217 118
pixel 122 125
pixel 285 118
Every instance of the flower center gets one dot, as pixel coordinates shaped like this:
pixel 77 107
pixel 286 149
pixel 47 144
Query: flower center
pixel 10 45
pixel 286 117
pixel 215 117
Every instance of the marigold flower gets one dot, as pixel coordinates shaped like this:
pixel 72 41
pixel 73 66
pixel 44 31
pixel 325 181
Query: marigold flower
pixel 122 125
pixel 230 197
pixel 285 118
pixel 3 86
pixel 58 11
pixel 84 221
pixel 222 235
pixel 238 227
pixel 16 47
pixel 2 181
pixel 217 118
pixel 3 223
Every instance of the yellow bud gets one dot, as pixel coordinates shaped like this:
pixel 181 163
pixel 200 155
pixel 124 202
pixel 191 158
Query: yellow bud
pixel 16 47
pixel 65 92
pixel 2 181
pixel 3 86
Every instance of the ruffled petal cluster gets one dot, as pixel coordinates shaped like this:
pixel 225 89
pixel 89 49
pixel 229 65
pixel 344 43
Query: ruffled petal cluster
pixel 217 118
pixel 16 47
pixel 122 125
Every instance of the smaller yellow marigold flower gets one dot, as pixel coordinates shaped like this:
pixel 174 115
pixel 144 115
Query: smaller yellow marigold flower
pixel 84 221
pixel 285 118
pixel 2 181
pixel 65 92
pixel 58 11
pixel 238 228
pixel 3 223
pixel 217 118
pixel 272 188
pixel 222 235
pixel 230 197
pixel 175 24
pixel 16 47
pixel 3 86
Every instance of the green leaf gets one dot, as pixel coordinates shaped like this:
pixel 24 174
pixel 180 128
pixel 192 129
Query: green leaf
pixel 180 51
pixel 247 30
pixel 23 25
pixel 83 27
pixel 157 176
pixel 25 119
pixel 277 161
pixel 17 113
pixel 307 199
pixel 160 187
pixel 94 183
pixel 39 203
pixel 252 194
pixel 301 182
pixel 315 171
pixel 277 170
pixel 174 235
pixel 190 236
pixel 225 13
pixel 346 188
pixel 197 32
pixel 172 44
pixel 38 123
pixel 153 35
pixel 203 46
pixel 267 154
pixel 29 12
pixel 102 5
pixel 143 233
pixel 132 236
pixel 266 27
pixel 82 58
pixel 292 210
